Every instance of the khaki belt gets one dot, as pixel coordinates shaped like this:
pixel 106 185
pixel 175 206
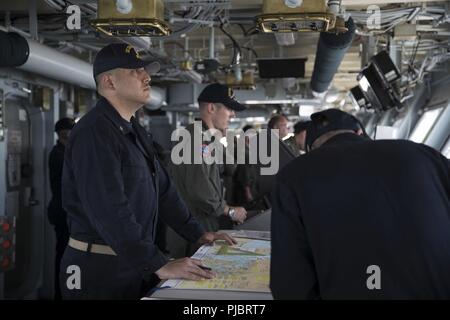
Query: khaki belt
pixel 88 247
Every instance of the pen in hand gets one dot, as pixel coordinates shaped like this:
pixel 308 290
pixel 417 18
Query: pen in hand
pixel 205 268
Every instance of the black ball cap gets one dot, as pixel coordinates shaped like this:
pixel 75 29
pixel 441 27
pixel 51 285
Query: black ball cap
pixel 329 120
pixel 219 93
pixel 121 55
pixel 64 124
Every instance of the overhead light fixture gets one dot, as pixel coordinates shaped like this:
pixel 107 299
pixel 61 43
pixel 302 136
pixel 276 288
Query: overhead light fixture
pixel 122 18
pixel 293 3
pixel 124 6
pixel 295 16
pixel 255 119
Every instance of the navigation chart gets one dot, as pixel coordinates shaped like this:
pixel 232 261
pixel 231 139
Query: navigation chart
pixel 241 267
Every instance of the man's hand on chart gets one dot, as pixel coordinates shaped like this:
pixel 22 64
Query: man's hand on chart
pixel 185 268
pixel 210 237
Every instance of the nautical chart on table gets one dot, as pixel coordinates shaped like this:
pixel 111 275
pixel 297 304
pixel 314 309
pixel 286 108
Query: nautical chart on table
pixel 241 267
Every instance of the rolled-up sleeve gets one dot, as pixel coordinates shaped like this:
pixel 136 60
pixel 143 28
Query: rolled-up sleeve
pixel 96 163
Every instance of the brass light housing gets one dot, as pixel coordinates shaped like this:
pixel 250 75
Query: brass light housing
pixel 311 16
pixel 247 83
pixel 186 65
pixel 142 18
pixel 339 26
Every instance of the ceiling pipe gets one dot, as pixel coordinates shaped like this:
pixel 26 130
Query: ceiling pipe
pixel 34 57
pixel 211 42
pixel 53 64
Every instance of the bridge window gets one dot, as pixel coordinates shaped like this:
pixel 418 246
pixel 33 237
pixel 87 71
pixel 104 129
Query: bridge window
pixel 425 124
pixel 446 149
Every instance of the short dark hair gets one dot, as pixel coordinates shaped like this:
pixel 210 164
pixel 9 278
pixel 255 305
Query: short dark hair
pixel 274 120
pixel 64 124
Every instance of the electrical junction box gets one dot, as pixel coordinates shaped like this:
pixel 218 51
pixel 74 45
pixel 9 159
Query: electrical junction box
pixel 207 66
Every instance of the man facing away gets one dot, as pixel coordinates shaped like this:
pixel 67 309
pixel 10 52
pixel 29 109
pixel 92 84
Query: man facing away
pixel 361 219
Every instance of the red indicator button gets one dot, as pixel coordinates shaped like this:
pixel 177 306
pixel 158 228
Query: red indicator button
pixel 6 227
pixel 5 262
pixel 6 244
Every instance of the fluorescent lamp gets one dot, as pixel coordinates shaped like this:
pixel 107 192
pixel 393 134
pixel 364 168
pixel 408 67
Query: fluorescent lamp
pixel 255 119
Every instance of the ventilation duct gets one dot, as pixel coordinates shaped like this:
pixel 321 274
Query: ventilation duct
pixel 53 64
pixel 331 50
pixel 131 18
pixel 14 49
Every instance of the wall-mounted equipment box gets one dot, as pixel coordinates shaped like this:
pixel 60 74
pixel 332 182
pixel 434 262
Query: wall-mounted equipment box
pixel 281 68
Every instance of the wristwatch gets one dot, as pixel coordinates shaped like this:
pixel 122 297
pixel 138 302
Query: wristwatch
pixel 231 213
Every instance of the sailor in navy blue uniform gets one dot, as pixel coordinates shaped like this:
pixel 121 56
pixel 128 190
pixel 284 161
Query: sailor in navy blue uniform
pixel 56 214
pixel 114 191
pixel 361 219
